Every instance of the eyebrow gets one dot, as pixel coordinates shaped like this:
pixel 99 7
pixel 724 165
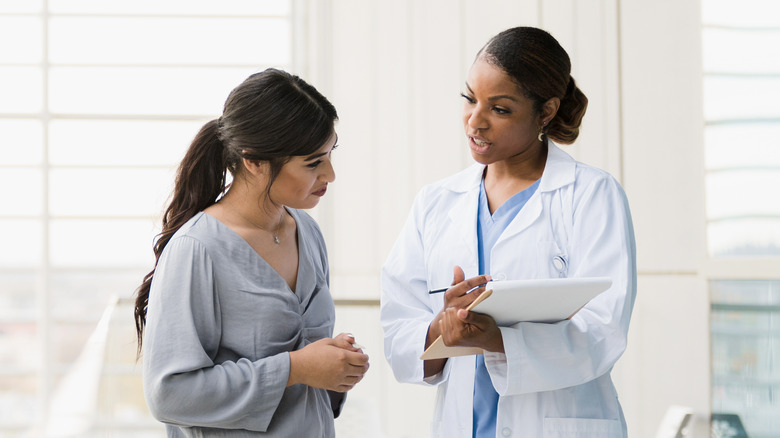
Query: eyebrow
pixel 315 156
pixel 494 98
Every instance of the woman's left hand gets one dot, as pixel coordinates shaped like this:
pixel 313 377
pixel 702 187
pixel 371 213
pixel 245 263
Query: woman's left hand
pixel 350 345
pixel 470 329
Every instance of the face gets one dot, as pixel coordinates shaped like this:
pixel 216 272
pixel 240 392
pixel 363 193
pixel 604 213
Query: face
pixel 499 121
pixel 302 181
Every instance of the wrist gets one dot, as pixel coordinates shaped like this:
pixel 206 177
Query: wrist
pixel 294 375
pixel 433 330
pixel 496 343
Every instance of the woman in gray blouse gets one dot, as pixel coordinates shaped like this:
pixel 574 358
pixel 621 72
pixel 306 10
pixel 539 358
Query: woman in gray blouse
pixel 235 322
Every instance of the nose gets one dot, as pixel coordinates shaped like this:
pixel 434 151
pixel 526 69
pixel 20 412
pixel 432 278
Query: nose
pixel 328 174
pixel 474 118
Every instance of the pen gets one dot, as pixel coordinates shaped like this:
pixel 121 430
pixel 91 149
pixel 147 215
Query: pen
pixel 444 289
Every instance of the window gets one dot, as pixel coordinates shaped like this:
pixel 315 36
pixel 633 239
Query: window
pixel 742 148
pixel 98 102
pixel 746 353
pixel 741 88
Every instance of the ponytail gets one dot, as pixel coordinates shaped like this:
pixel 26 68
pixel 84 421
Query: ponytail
pixel 270 117
pixel 200 180
pixel 564 128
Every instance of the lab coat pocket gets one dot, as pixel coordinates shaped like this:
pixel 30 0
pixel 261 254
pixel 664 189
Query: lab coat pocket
pixel 582 428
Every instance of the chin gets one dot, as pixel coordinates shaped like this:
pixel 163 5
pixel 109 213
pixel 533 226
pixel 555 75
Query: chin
pixel 481 159
pixel 307 204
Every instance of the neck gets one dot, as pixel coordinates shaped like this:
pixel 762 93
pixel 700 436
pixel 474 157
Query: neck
pixel 257 212
pixel 526 167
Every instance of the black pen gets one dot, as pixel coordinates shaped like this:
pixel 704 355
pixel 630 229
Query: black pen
pixel 444 289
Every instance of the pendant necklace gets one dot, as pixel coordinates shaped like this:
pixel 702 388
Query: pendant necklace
pixel 275 234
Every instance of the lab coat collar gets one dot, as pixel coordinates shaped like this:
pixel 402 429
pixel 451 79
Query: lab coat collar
pixel 558 172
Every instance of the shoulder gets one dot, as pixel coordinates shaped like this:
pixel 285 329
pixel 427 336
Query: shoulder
pixel 587 176
pixel 579 181
pixel 306 223
pixel 204 229
pixel 453 186
pixel 597 191
pixel 563 170
pixel 205 234
pixel 309 228
pixel 194 230
pixel 189 246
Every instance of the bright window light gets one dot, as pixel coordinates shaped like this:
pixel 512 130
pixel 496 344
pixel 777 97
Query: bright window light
pixel 99 101
pixel 741 90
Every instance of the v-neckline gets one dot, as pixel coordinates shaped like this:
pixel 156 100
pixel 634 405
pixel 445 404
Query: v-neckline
pixel 264 261
pixel 509 205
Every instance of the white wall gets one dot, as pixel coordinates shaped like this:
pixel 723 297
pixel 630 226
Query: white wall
pixel 668 359
pixel 394 70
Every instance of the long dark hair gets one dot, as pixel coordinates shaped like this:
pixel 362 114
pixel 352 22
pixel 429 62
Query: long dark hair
pixel 271 116
pixel 541 67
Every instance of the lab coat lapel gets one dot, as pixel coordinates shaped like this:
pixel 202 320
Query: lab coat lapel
pixel 463 214
pixel 558 172
pixel 527 216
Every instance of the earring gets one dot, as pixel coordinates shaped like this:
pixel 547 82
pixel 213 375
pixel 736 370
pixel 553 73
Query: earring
pixel 541 131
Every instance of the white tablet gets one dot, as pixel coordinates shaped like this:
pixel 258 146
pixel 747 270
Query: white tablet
pixel 542 300
pixel 512 301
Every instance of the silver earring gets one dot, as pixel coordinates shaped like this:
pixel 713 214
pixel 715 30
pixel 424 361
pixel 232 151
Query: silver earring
pixel 541 131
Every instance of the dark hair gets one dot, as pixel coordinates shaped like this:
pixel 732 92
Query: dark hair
pixel 271 116
pixel 542 69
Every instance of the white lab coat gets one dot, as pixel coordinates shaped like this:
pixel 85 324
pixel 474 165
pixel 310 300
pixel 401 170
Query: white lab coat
pixel 554 380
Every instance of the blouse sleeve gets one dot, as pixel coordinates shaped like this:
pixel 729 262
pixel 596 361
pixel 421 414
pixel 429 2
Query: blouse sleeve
pixel 543 357
pixel 405 313
pixel 182 383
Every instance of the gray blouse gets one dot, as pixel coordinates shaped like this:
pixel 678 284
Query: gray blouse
pixel 220 325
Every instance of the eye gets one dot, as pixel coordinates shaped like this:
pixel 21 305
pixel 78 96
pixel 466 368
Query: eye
pixel 502 111
pixel 317 162
pixel 468 98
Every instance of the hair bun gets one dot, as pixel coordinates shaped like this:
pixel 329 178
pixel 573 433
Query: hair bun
pixel 565 126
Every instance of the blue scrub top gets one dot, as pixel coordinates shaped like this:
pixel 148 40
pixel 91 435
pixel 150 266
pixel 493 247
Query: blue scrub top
pixel 489 229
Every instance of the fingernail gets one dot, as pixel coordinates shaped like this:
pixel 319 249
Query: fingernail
pixel 358 346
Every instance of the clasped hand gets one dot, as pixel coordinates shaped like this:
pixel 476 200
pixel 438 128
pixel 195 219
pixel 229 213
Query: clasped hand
pixel 329 363
pixel 458 326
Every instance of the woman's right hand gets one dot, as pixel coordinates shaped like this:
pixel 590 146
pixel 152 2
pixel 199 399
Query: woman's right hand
pixel 328 363
pixel 457 297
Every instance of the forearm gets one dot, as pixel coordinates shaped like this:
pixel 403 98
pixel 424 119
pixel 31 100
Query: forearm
pixel 240 395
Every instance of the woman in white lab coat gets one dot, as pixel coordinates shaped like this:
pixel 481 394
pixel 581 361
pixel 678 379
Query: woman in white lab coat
pixel 524 210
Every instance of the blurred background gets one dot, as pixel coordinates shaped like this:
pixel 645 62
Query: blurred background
pixel 99 100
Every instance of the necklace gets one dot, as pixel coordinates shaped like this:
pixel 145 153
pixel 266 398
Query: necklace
pixel 275 234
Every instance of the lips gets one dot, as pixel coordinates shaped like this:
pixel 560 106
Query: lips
pixel 479 145
pixel 321 192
